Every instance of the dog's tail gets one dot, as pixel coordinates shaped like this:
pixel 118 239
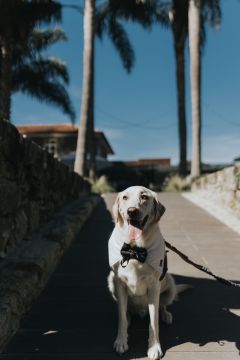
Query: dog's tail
pixel 183 287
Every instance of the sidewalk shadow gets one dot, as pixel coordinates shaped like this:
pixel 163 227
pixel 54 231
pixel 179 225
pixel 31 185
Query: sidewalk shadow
pixel 202 315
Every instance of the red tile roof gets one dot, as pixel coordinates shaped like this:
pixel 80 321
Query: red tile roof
pixel 46 129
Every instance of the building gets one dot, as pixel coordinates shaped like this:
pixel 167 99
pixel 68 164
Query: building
pixel 148 164
pixel 147 172
pixel 61 141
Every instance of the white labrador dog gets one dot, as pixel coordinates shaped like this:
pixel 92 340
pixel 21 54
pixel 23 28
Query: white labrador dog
pixel 138 262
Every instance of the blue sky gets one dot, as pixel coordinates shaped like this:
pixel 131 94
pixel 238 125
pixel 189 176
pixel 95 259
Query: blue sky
pixel 138 112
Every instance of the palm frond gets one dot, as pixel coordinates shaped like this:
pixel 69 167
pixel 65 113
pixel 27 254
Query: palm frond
pixel 44 85
pixel 41 39
pixel 101 18
pixel 145 13
pixel 18 18
pixel 211 12
pixel 50 67
pixel 121 42
pixel 38 41
pixel 210 15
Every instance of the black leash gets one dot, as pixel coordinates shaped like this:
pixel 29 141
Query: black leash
pixel 201 267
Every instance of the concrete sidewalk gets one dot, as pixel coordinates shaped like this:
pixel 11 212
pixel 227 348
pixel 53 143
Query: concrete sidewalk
pixel 75 317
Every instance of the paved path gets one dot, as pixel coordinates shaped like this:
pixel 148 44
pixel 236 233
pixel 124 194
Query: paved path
pixel 75 317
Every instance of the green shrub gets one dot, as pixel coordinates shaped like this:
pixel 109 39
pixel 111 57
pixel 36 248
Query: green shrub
pixel 176 183
pixel 102 185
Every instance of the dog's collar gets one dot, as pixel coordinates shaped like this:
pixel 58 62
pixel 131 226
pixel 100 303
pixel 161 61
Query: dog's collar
pixel 132 252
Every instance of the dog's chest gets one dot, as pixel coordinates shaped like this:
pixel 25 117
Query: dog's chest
pixel 137 277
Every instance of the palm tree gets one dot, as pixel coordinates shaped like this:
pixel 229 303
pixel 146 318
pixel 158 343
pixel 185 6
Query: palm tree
pixel 194 20
pixel 199 11
pixel 17 19
pixel 86 122
pixel 41 77
pixel 96 22
pixel 179 20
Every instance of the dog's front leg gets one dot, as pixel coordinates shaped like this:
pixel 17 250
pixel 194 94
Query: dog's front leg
pixel 154 347
pixel 120 343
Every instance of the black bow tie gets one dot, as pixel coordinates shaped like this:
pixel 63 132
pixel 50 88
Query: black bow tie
pixel 132 252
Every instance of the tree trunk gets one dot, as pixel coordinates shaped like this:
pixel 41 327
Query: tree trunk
pixel 80 165
pixel 91 136
pixel 182 127
pixel 194 29
pixel 5 81
pixel 178 16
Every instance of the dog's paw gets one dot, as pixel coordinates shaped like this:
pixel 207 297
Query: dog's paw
pixel 120 345
pixel 155 352
pixel 166 317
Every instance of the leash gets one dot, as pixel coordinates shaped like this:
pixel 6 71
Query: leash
pixel 201 267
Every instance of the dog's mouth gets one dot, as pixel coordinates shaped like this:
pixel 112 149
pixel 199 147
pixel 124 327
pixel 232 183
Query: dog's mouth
pixel 135 228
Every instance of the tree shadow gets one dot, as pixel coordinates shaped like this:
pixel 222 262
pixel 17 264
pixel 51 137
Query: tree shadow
pixel 201 316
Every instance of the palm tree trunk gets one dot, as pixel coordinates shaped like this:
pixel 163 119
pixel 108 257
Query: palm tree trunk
pixel 182 127
pixel 178 15
pixel 194 18
pixel 5 81
pixel 91 139
pixel 80 165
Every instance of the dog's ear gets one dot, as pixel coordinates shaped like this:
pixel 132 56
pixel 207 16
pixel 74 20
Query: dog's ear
pixel 116 214
pixel 158 209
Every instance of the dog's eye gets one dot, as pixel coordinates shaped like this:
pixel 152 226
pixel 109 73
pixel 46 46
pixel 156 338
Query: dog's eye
pixel 125 197
pixel 144 197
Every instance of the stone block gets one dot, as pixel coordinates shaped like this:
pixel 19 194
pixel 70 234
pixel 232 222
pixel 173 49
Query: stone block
pixel 9 196
pixel 32 210
pixel 6 228
pixel 21 225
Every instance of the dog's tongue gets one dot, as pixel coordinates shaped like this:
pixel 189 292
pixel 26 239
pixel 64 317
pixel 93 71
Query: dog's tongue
pixel 134 232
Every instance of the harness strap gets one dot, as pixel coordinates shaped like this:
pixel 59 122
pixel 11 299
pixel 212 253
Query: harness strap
pixel 201 267
pixel 165 267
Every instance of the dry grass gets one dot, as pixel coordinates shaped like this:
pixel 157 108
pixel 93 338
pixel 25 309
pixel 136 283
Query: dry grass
pixel 176 183
pixel 102 185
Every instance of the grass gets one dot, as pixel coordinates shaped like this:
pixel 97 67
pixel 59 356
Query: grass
pixel 102 185
pixel 176 183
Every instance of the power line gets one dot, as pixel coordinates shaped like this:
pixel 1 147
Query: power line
pixel 220 117
pixel 126 124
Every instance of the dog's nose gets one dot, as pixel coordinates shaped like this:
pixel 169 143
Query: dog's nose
pixel 133 211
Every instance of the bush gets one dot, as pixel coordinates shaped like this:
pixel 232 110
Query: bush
pixel 176 183
pixel 102 185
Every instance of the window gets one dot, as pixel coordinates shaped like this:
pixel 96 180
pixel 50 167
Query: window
pixel 51 147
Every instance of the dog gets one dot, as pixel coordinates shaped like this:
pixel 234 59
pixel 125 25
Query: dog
pixel 138 280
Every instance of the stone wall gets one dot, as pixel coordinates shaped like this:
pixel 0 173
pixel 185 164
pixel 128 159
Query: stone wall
pixel 33 185
pixel 221 187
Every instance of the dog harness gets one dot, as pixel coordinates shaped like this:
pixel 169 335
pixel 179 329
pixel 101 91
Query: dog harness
pixel 139 253
pixel 154 255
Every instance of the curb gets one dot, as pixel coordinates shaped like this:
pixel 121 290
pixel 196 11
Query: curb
pixel 26 271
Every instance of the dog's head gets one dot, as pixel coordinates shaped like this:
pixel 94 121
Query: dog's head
pixel 138 207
